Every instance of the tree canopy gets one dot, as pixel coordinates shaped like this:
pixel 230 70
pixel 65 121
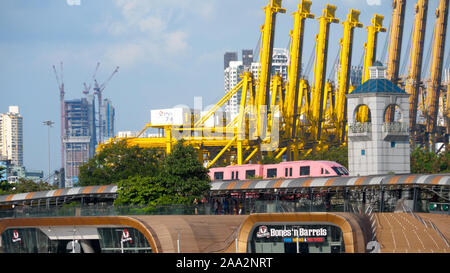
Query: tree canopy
pixel 146 177
pixel 116 162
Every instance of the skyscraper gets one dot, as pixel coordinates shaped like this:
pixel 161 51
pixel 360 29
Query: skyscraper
pixel 79 136
pixel 235 68
pixel 231 78
pixel 247 57
pixel 11 136
pixel 228 57
pixel 108 114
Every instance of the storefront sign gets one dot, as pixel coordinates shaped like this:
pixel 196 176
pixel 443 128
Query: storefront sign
pixel 264 231
pixel 16 237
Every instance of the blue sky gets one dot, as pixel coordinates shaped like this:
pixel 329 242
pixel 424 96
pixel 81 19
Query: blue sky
pixel 168 51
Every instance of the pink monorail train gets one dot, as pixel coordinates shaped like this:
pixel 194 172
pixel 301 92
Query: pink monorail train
pixel 290 169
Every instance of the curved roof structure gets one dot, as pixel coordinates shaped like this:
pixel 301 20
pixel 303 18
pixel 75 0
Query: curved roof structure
pixel 110 191
pixel 336 181
pixel 395 232
pixel 377 86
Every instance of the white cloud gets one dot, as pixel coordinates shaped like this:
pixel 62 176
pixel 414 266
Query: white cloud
pixel 374 2
pixel 153 28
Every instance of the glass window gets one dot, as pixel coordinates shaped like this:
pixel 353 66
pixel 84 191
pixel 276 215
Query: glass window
pixel 218 175
pixel 290 171
pixel 126 239
pixel 305 170
pixel 337 170
pixel 272 172
pixel 250 174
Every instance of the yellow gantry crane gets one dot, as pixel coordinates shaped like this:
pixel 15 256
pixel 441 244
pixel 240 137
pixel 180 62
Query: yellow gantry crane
pixel 434 84
pixel 295 85
pixel 265 62
pixel 320 68
pixel 345 60
pixel 292 118
pixel 370 53
pixel 395 40
pixel 413 81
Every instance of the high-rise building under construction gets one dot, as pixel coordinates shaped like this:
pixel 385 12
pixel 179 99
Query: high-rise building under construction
pixel 79 136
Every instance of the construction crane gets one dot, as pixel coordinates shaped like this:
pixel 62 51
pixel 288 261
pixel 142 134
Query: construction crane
pixel 310 118
pixel 61 101
pixel 98 90
pixel 265 62
pixel 320 68
pixel 395 40
pixel 346 44
pixel 86 87
pixel 293 100
pixel 413 81
pixel 434 82
pixel 370 54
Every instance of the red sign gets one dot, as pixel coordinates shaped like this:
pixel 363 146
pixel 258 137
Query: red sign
pixel 126 236
pixel 315 240
pixel 16 237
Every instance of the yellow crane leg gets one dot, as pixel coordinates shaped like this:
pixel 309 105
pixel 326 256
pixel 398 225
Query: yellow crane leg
pixel 239 152
pixel 281 152
pixel 251 155
pixel 168 134
pixel 222 151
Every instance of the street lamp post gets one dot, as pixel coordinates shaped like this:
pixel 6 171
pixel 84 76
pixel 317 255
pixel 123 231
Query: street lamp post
pixel 48 123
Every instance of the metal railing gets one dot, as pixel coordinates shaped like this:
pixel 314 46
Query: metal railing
pixel 360 127
pixel 253 206
pixel 395 127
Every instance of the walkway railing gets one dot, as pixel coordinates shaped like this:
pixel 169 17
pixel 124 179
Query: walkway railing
pixel 255 206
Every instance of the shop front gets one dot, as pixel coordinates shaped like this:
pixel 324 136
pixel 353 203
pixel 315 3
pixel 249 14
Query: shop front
pixel 296 238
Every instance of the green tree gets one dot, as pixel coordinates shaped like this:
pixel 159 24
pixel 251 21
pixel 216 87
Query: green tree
pixel 425 161
pixel 116 162
pixel 28 185
pixel 181 179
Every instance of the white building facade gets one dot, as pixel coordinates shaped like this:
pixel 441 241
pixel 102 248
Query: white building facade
pixel 11 136
pixel 378 144
pixel 280 61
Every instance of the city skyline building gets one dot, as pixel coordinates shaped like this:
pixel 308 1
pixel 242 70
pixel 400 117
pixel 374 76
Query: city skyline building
pixel 229 57
pixel 108 120
pixel 247 57
pixel 235 68
pixel 231 79
pixel 11 136
pixel 79 137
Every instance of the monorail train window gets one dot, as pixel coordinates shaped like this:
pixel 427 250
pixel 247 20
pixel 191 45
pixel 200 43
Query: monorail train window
pixel 237 175
pixel 324 171
pixel 250 174
pixel 338 172
pixel 290 171
pixel 271 172
pixel 218 175
pixel 285 172
pixel 305 170
pixel 344 170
